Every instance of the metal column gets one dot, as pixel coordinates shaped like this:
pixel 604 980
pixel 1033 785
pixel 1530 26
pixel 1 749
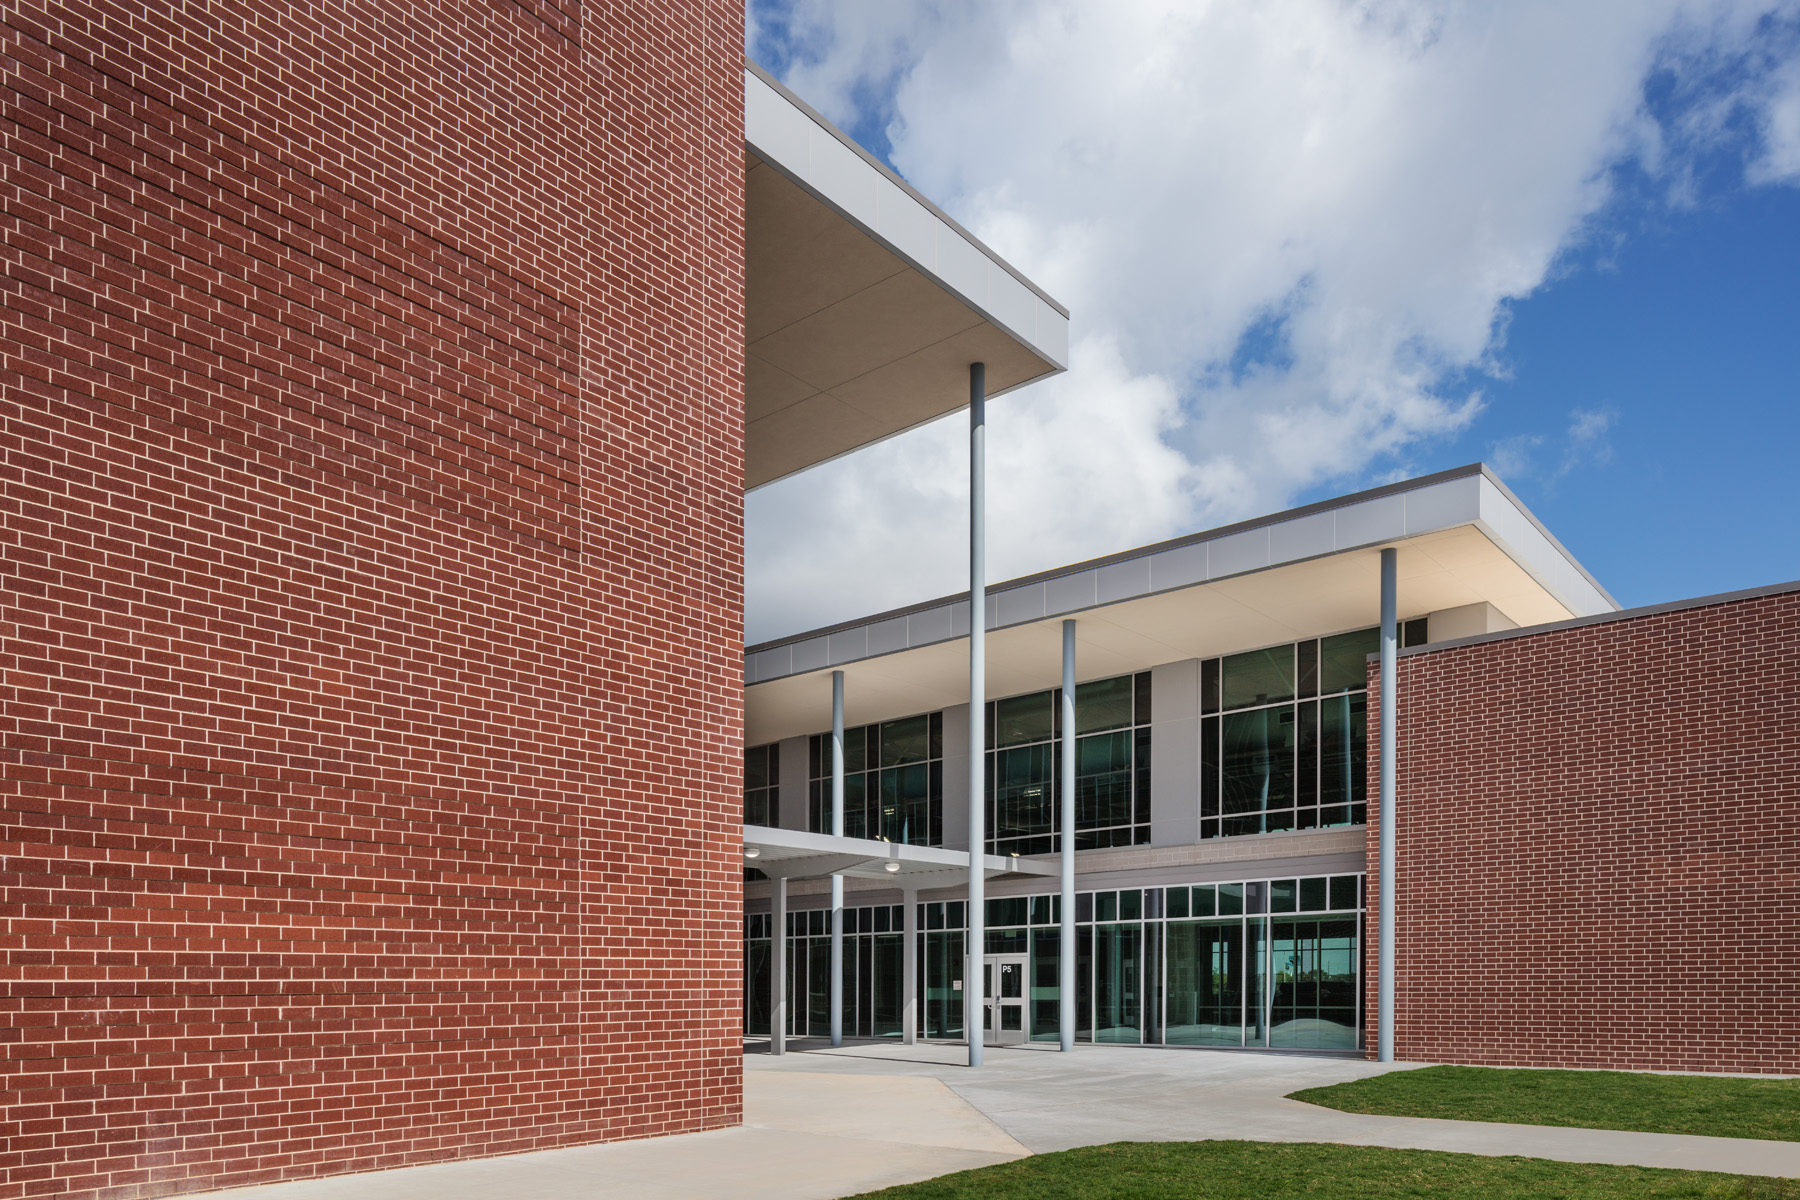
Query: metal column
pixel 909 968
pixel 974 1001
pixel 1385 976
pixel 1066 990
pixel 837 881
pixel 778 966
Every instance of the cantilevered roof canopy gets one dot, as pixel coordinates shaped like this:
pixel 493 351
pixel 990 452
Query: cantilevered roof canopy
pixel 1463 539
pixel 796 854
pixel 865 305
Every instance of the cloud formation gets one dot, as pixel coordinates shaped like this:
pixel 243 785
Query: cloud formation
pixel 1288 235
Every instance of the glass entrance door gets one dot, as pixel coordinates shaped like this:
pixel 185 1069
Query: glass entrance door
pixel 1004 1015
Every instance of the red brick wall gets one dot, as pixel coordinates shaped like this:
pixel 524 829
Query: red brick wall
pixel 1598 859
pixel 370 387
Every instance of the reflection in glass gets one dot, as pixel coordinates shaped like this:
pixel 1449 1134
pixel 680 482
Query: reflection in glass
pixel 1046 985
pixel 1153 983
pixel 1344 660
pixel 1343 756
pixel 859 974
pixel 1024 800
pixel 1008 910
pixel 818 984
pixel 1006 941
pixel 1259 676
pixel 756 987
pixel 1231 899
pixel 905 804
pixel 1306 764
pixel 1112 768
pixel 906 740
pixel 1308 654
pixel 761 785
pixel 856 757
pixel 1313 978
pixel 1084 982
pixel 943 972
pixel 1258 762
pixel 1103 780
pixel 1256 1025
pixel 1020 719
pixel 1117 959
pixel 886 985
pixel 1205 967
pixel 1103 704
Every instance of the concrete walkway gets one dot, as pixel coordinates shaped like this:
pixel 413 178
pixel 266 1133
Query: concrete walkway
pixel 828 1123
pixel 1097 1094
pixel 806 1136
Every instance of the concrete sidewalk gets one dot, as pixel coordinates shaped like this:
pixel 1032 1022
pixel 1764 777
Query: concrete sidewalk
pixel 825 1123
pixel 806 1136
pixel 1097 1094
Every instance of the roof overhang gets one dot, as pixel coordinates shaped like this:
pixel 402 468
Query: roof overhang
pixel 796 854
pixel 1462 539
pixel 864 304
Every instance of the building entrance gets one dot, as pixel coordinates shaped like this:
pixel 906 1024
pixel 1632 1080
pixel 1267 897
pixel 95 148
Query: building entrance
pixel 1004 1015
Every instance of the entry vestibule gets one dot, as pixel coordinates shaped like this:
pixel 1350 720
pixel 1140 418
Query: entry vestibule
pixel 790 967
pixel 1177 966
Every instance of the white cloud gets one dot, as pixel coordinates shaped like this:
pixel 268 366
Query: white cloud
pixel 1285 232
pixel 1780 123
pixel 1585 444
pixel 894 526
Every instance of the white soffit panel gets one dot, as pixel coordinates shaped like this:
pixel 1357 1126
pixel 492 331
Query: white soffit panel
pixel 802 145
pixel 1463 539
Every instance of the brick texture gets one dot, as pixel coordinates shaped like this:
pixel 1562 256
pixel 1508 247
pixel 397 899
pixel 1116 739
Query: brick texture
pixel 371 402
pixel 1598 853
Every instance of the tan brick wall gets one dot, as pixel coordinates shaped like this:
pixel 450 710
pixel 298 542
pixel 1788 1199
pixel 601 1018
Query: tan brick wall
pixel 371 396
pixel 1598 855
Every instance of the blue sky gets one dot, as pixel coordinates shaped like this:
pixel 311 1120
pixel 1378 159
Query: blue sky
pixel 1315 251
pixel 1688 334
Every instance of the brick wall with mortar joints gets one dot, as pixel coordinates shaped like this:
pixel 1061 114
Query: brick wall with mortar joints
pixel 1597 845
pixel 371 394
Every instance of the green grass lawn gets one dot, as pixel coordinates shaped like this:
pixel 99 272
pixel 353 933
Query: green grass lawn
pixel 1252 1170
pixel 1705 1104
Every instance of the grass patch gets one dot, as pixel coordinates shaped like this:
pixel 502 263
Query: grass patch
pixel 1768 1109
pixel 1250 1170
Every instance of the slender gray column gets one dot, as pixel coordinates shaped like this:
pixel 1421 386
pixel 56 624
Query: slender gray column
pixel 1066 992
pixel 974 1001
pixel 837 881
pixel 778 966
pixel 1389 643
pixel 909 968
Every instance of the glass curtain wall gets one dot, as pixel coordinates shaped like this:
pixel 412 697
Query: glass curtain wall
pixel 1260 963
pixel 762 785
pixel 1283 735
pixel 1112 767
pixel 893 781
pixel 874 972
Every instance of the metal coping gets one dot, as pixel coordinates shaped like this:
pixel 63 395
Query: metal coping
pixel 1376 493
pixel 1625 614
pixel 895 179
